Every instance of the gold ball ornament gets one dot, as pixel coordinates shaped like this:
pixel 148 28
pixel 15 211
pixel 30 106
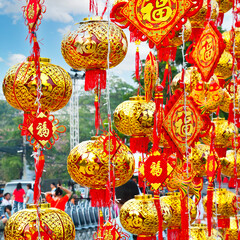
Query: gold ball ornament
pixel 224 66
pixel 135 117
pixel 200 232
pixel 55 224
pixel 173 200
pixel 88 164
pixel 224 133
pixel 20 86
pixel 228 163
pixel 139 215
pixel 225 201
pixel 177 40
pixel 199 18
pixel 86 48
pixel 228 38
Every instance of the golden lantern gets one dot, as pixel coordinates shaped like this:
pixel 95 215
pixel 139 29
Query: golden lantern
pixel 135 118
pixel 233 229
pixel 228 40
pixel 177 39
pixel 191 78
pixel 226 207
pixel 87 49
pixel 139 216
pixel 199 18
pixel 174 225
pixel 88 165
pixel 54 224
pixel 228 164
pixel 224 133
pixel 224 5
pixel 20 86
pixel 200 232
pixel 198 157
pixel 224 66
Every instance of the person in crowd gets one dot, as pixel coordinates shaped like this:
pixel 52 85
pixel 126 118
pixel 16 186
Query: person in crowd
pixel 1 195
pixel 3 221
pixel 6 199
pixel 18 196
pixel 29 196
pixel 59 201
pixel 8 211
pixel 123 194
pixel 74 199
pixel 53 189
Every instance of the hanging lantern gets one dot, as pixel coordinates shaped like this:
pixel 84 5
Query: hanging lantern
pixel 224 134
pixel 20 86
pixel 135 118
pixel 198 157
pixel 169 51
pixel 199 232
pixel 224 6
pixel 198 20
pixel 139 216
pixel 224 67
pixel 88 165
pixel 228 40
pixel 53 224
pixel 228 164
pixel 87 49
pixel 226 207
pixel 191 78
pixel 174 225
pixel 233 229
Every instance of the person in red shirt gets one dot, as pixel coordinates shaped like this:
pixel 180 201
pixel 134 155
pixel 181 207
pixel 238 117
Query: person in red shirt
pixel 59 201
pixel 18 195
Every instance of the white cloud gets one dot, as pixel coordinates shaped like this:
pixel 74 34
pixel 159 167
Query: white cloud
pixel 1 59
pixel 65 30
pixel 15 58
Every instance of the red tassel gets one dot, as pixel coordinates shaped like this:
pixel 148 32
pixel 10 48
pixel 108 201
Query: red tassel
pixel 166 54
pixel 231 114
pixel 221 152
pixel 97 114
pixel 100 197
pixel 95 79
pixel 137 65
pixel 209 207
pixel 174 234
pixel 39 165
pixel 220 19
pixel 139 144
pixel 184 218
pixel 159 212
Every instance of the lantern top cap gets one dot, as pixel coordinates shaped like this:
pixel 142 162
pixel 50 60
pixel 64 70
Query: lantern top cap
pixel 41 205
pixel 199 226
pixel 94 18
pixel 138 98
pixel 143 197
pixel 173 194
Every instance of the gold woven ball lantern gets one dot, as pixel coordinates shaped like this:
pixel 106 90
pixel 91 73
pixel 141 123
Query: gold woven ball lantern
pixel 139 216
pixel 233 231
pixel 135 118
pixel 88 165
pixel 20 86
pixel 87 49
pixel 174 226
pixel 224 134
pixel 228 164
pixel 226 207
pixel 199 232
pixel 54 224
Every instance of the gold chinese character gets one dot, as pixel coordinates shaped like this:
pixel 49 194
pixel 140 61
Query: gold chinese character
pixel 31 11
pixel 156 169
pixel 43 131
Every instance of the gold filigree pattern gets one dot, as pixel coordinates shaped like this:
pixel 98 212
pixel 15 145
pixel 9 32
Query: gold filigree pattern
pixel 200 232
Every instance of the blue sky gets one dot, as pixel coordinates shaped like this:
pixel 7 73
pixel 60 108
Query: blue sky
pixel 60 17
